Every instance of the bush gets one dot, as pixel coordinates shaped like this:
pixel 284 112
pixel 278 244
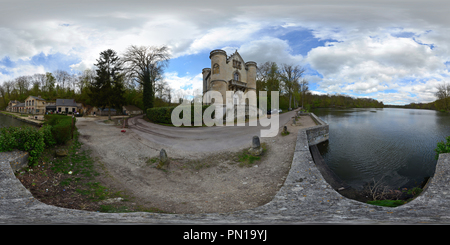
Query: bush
pixel 26 138
pixel 49 140
pixel 61 127
pixel 443 147
pixel 7 139
pixel 62 131
pixel 164 114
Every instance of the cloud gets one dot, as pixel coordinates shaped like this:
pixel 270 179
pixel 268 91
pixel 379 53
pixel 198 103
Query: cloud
pixel 372 64
pixel 373 46
pixel 269 49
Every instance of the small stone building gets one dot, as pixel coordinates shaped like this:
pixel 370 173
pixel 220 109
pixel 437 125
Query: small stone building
pixel 66 106
pixel 131 110
pixel 20 107
pixel 35 105
pixel 11 104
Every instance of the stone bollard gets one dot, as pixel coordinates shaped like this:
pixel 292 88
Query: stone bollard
pixel 163 159
pixel 256 149
pixel 285 129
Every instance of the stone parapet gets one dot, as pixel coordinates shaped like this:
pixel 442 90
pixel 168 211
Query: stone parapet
pixel 304 198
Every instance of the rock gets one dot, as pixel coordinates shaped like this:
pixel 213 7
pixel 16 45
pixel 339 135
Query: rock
pixel 255 142
pixel 163 159
pixel 61 153
pixel 256 149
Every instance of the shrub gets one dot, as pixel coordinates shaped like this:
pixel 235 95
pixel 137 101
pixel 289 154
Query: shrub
pixel 164 114
pixel 7 139
pixel 49 140
pixel 26 138
pixel 443 147
pixel 62 131
pixel 61 127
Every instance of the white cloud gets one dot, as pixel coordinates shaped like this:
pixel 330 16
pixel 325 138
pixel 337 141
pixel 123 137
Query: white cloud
pixel 368 65
pixel 269 49
pixel 370 57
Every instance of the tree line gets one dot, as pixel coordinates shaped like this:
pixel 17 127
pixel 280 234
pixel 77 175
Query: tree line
pixel 135 78
pixel 442 102
pixel 294 89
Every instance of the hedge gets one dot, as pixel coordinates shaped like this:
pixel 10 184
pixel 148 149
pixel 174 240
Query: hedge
pixel 56 130
pixel 164 114
pixel 61 127
pixel 25 138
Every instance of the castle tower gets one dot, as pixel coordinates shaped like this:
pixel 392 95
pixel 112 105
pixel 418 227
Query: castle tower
pixel 228 74
pixel 219 72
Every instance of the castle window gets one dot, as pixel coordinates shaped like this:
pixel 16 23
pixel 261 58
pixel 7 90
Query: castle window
pixel 236 76
pixel 216 69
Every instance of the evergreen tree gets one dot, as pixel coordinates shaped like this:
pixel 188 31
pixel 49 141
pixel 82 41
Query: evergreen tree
pixel 107 90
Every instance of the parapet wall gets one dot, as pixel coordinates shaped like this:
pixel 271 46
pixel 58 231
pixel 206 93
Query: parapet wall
pixel 319 133
pixel 304 198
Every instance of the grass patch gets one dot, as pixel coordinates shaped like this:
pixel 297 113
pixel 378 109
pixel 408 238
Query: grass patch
pixel 246 159
pixel 285 133
pixel 152 160
pixel 387 203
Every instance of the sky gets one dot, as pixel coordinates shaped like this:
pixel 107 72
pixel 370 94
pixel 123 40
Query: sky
pixel 394 51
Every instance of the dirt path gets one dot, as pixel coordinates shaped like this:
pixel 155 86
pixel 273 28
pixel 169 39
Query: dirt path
pixel 193 182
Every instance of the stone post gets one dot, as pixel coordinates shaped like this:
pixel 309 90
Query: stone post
pixel 163 159
pixel 256 149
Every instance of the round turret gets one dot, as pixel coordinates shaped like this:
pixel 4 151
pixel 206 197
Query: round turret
pixel 251 74
pixel 218 71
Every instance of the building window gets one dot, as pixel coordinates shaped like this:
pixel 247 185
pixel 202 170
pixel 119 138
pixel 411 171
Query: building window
pixel 216 69
pixel 236 76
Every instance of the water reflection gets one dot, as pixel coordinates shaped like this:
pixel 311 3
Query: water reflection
pixel 390 143
pixel 6 121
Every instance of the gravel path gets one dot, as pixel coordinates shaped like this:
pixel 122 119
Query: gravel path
pixel 196 181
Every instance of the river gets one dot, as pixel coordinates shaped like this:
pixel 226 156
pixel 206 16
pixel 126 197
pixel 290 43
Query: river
pixel 6 121
pixel 392 144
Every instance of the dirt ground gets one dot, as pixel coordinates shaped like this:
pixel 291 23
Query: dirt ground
pixel 214 182
pixel 207 183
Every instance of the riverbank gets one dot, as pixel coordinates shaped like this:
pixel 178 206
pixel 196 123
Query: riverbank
pixel 23 118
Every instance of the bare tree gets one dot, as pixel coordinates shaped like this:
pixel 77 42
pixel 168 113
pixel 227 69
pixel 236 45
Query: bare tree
pixel 3 94
pixel 303 89
pixel 22 83
pixel 40 79
pixel 290 76
pixel 62 78
pixel 146 65
pixel 443 94
pixel 8 86
pixel 86 78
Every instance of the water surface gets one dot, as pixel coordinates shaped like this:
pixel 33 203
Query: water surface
pixel 394 144
pixel 6 121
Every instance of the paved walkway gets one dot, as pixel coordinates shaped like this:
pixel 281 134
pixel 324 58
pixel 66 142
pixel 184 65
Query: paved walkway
pixel 202 139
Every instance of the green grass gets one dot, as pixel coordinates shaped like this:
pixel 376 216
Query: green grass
pixel 77 168
pixel 246 160
pixel 387 203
